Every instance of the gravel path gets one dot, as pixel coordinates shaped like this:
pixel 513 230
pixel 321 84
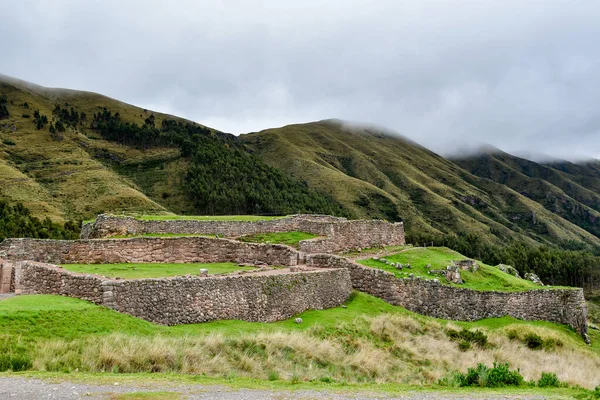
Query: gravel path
pixel 35 389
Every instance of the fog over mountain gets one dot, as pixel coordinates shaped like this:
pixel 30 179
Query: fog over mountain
pixel 521 76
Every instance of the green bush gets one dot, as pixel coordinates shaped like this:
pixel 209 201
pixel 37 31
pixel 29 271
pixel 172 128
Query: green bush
pixel 513 334
pixel 14 363
pixel 548 379
pixel 464 345
pixel 501 375
pixel 482 375
pixel 551 343
pixel 533 341
pixel 8 142
pixel 477 337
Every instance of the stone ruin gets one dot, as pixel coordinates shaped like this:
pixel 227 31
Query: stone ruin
pixel 334 234
pixel 6 277
pixel 302 280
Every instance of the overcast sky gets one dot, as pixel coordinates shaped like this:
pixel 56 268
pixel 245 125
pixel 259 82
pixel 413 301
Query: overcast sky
pixel 522 75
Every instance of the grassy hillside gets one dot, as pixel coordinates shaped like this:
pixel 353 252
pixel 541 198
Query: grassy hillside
pixel 373 173
pixel 69 154
pixel 154 163
pixel 68 178
pixel 370 341
pixel 571 191
pixel 422 260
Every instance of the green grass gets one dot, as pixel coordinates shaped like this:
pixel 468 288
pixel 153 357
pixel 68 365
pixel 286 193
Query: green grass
pixel 244 218
pixel 288 238
pixel 162 235
pixel 48 316
pixel 44 316
pixel 57 333
pixel 486 278
pixel 141 271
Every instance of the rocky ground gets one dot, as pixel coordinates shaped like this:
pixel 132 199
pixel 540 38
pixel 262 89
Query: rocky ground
pixel 22 388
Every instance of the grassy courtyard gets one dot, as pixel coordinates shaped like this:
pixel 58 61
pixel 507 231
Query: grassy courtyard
pixel 288 238
pixel 246 218
pixel 141 271
pixel 486 278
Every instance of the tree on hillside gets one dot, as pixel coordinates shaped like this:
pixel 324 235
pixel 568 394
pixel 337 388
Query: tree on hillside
pixel 3 109
pixel 17 221
pixel 40 120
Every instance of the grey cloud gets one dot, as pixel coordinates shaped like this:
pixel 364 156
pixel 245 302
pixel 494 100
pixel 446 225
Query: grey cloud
pixel 522 76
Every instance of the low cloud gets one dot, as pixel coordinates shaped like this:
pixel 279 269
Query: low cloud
pixel 522 76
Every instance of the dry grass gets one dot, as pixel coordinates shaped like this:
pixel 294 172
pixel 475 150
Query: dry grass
pixel 386 348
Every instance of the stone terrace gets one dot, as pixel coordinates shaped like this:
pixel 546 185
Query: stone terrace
pixel 338 234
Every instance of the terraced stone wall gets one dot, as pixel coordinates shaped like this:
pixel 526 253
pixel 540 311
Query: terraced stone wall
pixel 186 300
pixel 338 234
pixel 430 297
pixel 148 250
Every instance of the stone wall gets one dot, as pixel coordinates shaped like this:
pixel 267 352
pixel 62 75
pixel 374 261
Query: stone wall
pixel 184 300
pixel 39 278
pixel 356 234
pixel 430 297
pixel 264 298
pixel 7 277
pixel 108 225
pixel 148 250
pixel 339 233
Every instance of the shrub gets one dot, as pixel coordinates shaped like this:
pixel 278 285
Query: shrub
pixel 548 379
pixel 14 363
pixel 482 375
pixel 551 343
pixel 273 376
pixel 477 337
pixel 501 375
pixel 8 142
pixel 513 334
pixel 533 341
pixel 464 345
pixel 25 115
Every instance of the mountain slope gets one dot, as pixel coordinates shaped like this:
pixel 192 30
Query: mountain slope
pixel 63 178
pixel 94 154
pixel 378 174
pixel 560 191
pixel 69 154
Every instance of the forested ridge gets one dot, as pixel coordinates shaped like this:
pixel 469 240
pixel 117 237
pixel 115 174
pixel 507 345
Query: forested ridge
pixel 16 221
pixel 223 177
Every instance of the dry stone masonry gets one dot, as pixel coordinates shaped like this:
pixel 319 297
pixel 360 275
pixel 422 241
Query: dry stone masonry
pixel 312 278
pixel 338 234
pixel 192 299
pixel 430 297
pixel 148 250
pixel 7 277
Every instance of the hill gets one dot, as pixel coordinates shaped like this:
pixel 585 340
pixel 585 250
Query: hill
pixel 71 155
pixel 374 173
pixel 569 190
